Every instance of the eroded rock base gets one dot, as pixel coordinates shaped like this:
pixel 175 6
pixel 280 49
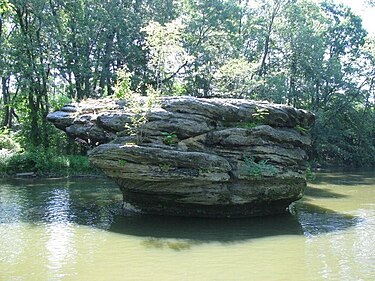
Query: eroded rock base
pixel 212 200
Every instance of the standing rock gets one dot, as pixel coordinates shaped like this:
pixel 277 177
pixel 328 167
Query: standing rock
pixel 197 157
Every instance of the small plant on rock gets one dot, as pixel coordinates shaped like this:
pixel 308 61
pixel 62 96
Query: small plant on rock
pixel 139 106
pixel 122 162
pixel 303 131
pixel 258 169
pixel 169 138
pixel 164 167
pixel 260 115
pixel 258 118
pixel 310 174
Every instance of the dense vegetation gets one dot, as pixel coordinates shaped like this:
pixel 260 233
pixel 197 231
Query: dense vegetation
pixel 312 56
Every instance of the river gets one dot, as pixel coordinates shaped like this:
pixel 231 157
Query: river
pixel 75 230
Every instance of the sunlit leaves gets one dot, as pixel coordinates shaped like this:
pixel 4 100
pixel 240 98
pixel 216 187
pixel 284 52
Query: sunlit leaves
pixel 167 56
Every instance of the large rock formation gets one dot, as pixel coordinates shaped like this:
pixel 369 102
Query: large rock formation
pixel 197 157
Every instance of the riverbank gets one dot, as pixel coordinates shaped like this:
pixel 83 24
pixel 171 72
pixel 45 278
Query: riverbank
pixel 46 164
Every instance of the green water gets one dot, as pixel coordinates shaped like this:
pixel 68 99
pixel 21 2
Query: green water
pixel 76 230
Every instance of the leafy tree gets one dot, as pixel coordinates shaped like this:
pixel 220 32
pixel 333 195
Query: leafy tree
pixel 234 78
pixel 211 38
pixel 167 56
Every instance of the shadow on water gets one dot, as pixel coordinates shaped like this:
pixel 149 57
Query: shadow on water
pixel 97 204
pixel 307 219
pixel 322 193
pixel 205 229
pixel 346 179
pixel 315 220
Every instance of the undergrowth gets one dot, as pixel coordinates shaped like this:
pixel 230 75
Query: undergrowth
pixel 46 163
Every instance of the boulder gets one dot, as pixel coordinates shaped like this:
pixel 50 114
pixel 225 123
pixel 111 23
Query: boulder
pixel 197 157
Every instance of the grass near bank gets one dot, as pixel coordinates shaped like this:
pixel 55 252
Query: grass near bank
pixel 16 159
pixel 44 163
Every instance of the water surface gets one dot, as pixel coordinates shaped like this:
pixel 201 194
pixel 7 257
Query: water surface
pixel 76 230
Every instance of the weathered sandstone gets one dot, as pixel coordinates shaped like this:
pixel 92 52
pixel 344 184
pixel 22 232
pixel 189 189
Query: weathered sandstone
pixel 197 157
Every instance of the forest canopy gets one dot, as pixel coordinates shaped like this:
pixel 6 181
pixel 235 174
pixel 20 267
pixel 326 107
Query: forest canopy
pixel 315 56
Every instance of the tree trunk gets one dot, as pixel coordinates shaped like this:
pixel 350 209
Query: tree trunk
pixel 7 121
pixel 275 11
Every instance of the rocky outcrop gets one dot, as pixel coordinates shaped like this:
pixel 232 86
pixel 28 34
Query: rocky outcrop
pixel 197 157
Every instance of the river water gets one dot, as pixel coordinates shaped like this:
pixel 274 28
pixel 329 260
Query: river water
pixel 75 230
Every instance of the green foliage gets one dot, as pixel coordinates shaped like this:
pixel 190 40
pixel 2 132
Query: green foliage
pixel 164 167
pixel 258 169
pixel 8 147
pixel 122 162
pixel 122 89
pixel 8 141
pixel 310 175
pixel 18 157
pixel 344 138
pixel 257 118
pixel 260 115
pixel 139 106
pixel 167 56
pixel 5 6
pixel 169 138
pixel 301 130
pixel 246 125
pixel 48 163
pixel 178 89
pixel 234 78
pixel 56 102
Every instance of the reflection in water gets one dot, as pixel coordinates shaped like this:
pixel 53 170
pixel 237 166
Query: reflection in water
pixel 58 206
pixel 176 245
pixel 203 230
pixel 12 207
pixel 60 247
pixel 181 233
pixel 59 231
pixel 67 230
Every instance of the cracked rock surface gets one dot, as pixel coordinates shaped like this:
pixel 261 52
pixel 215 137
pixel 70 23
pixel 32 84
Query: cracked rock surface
pixel 197 157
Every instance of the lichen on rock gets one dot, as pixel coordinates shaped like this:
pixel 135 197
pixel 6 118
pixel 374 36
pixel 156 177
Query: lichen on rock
pixel 198 157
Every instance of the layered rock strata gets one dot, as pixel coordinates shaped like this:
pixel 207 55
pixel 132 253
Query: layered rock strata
pixel 197 157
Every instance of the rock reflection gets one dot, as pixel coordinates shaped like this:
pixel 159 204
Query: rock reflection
pixel 307 220
pixel 206 230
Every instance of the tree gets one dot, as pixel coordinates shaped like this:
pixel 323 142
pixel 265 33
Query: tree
pixel 211 38
pixel 167 56
pixel 5 10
